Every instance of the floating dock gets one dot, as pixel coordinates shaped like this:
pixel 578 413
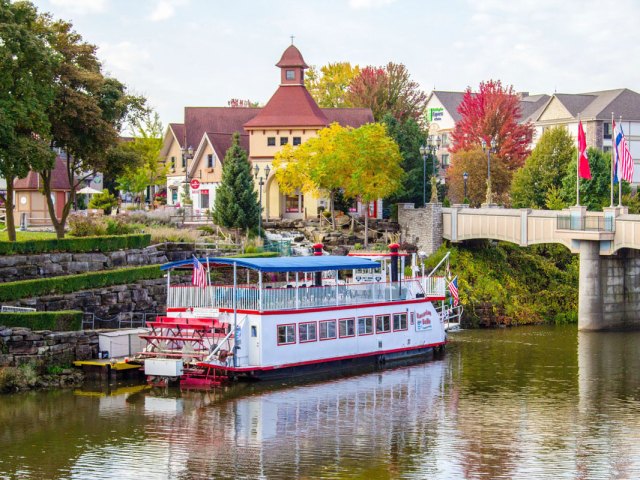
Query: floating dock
pixel 113 368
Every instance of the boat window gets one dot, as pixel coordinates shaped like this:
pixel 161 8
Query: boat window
pixel 365 325
pixel 399 321
pixel 383 323
pixel 347 327
pixel 327 329
pixel 286 334
pixel 254 331
pixel 307 332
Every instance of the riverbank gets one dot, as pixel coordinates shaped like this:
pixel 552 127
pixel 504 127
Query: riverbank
pixel 501 284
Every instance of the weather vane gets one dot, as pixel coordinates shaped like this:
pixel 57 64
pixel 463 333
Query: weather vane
pixel 292 37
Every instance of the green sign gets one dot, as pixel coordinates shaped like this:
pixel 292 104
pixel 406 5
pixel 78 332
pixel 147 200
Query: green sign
pixel 435 114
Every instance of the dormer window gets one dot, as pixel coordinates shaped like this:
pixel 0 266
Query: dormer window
pixel 291 75
pixel 210 161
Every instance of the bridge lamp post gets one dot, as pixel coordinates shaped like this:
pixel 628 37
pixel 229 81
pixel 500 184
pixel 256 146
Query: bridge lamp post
pixel 465 177
pixel 488 149
pixel 261 182
pixel 430 149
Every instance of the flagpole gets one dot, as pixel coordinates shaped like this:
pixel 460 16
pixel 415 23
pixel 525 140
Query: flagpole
pixel 613 155
pixel 620 176
pixel 578 167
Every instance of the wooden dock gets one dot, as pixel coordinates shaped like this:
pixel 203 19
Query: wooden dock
pixel 114 368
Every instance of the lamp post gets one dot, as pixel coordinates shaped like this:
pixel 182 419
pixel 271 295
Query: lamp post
pixel 488 149
pixel 187 154
pixel 261 182
pixel 430 149
pixel 465 177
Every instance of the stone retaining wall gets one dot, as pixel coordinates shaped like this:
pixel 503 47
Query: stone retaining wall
pixel 108 302
pixel 26 267
pixel 19 346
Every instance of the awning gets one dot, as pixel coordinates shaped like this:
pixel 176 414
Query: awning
pixel 284 264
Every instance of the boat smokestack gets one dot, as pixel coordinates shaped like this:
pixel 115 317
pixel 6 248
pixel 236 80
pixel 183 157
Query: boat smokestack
pixel 393 248
pixel 317 252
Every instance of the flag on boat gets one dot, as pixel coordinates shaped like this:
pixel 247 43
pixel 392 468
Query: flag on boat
pixel 583 161
pixel 199 277
pixel 453 289
pixel 623 160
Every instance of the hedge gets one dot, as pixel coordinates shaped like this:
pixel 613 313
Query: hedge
pixel 73 283
pixel 104 243
pixel 62 321
pixel 257 255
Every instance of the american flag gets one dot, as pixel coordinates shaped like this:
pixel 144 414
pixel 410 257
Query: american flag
pixel 453 289
pixel 199 277
pixel 624 161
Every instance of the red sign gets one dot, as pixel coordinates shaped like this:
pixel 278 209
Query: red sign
pixel 195 184
pixel 204 192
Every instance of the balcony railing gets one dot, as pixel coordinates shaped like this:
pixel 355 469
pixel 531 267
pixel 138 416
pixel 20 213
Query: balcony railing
pixel 289 298
pixel 588 223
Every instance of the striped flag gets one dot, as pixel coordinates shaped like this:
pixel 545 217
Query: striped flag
pixel 623 159
pixel 199 276
pixel 453 289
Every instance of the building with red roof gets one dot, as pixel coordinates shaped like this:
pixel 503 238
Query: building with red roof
pixel 30 200
pixel 196 148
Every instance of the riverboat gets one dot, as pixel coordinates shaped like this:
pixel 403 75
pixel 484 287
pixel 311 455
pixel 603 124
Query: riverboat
pixel 286 316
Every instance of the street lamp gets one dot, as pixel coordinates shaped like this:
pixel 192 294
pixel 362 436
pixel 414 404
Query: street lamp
pixel 430 149
pixel 465 177
pixel 261 182
pixel 492 148
pixel 187 154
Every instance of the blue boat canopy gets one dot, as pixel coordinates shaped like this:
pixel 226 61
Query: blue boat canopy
pixel 284 264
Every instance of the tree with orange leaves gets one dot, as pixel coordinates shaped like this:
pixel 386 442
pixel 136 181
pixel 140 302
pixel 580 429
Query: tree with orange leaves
pixel 493 113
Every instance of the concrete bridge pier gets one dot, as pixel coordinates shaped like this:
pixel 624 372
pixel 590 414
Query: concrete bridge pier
pixel 590 298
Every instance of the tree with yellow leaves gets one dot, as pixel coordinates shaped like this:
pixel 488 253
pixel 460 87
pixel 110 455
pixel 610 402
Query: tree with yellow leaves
pixel 363 162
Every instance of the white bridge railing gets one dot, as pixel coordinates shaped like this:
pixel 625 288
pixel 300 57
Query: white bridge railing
pixel 248 297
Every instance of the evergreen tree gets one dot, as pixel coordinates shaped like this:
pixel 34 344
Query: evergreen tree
pixel 236 204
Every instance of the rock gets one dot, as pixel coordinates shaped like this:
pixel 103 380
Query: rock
pixel 78 267
pixel 6 360
pixel 7 332
pixel 22 348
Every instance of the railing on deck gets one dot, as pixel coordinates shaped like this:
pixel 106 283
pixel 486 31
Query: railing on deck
pixel 248 297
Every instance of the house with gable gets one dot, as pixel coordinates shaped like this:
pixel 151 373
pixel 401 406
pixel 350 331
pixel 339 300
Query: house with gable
pixel 195 149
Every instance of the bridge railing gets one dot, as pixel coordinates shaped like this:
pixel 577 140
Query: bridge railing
pixel 588 223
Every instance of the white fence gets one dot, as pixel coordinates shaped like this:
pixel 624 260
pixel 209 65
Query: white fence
pixel 249 298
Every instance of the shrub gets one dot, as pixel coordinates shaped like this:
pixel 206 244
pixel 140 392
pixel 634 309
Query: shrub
pixel 103 201
pixel 62 321
pixel 13 379
pixel 74 283
pixel 168 234
pixel 86 226
pixel 107 243
pixel 119 226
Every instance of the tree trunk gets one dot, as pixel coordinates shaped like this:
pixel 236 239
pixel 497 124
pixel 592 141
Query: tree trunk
pixel 366 225
pixel 46 187
pixel 333 209
pixel 8 202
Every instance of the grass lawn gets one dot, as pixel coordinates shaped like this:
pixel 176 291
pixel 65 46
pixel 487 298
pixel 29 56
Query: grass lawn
pixel 25 236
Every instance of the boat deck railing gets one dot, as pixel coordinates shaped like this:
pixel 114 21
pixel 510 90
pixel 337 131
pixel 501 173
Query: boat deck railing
pixel 250 297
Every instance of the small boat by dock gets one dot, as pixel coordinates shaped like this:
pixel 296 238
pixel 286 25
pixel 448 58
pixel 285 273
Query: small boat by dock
pixel 292 316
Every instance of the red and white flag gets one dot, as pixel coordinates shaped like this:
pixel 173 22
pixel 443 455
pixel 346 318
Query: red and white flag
pixel 583 161
pixel 624 161
pixel 199 276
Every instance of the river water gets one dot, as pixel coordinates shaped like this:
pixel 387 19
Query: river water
pixel 528 402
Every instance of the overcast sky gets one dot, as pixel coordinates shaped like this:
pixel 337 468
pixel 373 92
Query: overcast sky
pixel 202 53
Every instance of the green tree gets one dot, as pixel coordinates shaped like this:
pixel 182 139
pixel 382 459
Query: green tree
pixel 594 193
pixel 105 201
pixel 535 185
pixel 329 87
pixel 88 112
pixel 236 204
pixel 410 137
pixel 145 162
pixel 26 93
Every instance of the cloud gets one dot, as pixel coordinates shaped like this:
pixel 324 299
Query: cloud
pixel 124 57
pixel 366 4
pixel 81 7
pixel 165 9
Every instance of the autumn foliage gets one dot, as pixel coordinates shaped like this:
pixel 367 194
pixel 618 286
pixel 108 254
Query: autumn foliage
pixel 493 112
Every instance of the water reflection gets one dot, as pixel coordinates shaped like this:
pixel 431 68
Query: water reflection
pixel 521 403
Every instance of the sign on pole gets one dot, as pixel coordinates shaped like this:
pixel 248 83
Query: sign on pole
pixel 195 184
